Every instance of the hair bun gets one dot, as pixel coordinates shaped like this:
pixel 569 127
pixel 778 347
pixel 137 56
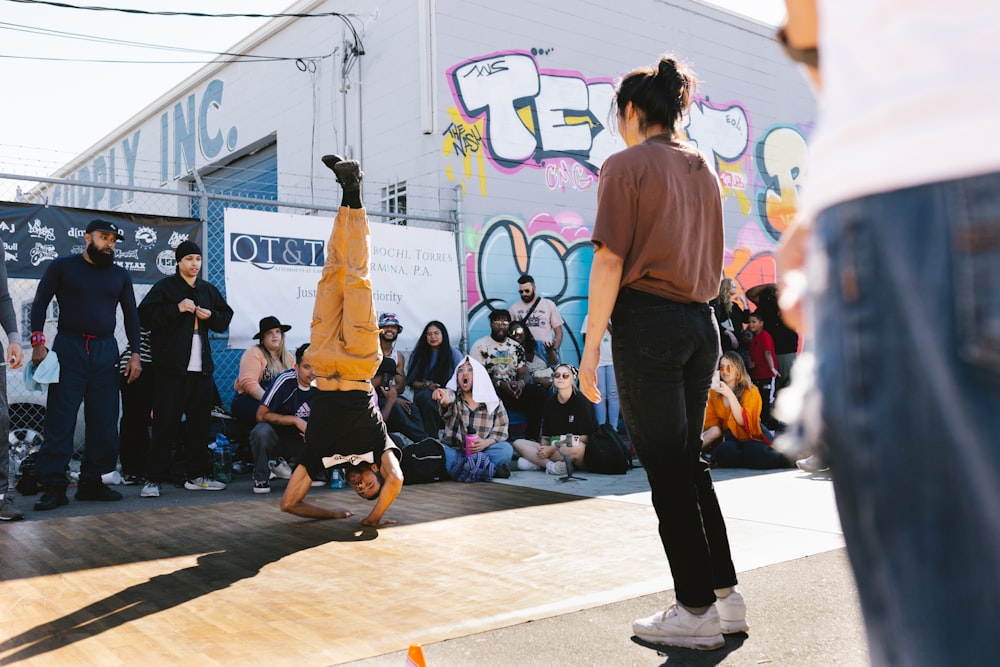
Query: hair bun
pixel 667 68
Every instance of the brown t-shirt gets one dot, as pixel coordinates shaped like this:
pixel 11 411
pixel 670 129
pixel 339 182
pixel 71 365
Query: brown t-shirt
pixel 659 207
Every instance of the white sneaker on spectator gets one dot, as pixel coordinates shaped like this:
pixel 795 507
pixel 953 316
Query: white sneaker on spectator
pixel 525 464
pixel 150 490
pixel 732 613
pixel 556 467
pixel 679 627
pixel 281 469
pixel 204 484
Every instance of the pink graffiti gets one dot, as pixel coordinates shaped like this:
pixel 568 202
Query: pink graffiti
pixel 560 174
pixel 567 224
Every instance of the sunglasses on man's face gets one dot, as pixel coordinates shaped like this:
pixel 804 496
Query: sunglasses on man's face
pixel 516 332
pixel 524 291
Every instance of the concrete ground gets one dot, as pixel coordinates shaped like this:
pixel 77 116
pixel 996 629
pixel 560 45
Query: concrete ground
pixel 787 546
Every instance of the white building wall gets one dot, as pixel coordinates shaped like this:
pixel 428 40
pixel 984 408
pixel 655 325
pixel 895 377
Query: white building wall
pixel 528 189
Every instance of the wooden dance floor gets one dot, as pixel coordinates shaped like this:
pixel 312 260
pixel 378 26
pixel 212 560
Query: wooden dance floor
pixel 242 583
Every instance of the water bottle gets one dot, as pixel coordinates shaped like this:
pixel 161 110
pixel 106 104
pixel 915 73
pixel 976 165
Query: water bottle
pixel 470 440
pixel 337 479
pixel 223 459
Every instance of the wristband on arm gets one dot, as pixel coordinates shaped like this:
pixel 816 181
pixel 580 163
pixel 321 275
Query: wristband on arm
pixel 37 338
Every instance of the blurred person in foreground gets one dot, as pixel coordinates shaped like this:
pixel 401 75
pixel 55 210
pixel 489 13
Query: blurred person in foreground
pixel 883 215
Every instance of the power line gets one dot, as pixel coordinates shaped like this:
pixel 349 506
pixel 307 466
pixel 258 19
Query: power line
pixel 358 49
pixel 145 12
pixel 242 59
pixel 31 30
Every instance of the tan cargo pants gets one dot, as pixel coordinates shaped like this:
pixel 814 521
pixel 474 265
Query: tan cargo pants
pixel 344 348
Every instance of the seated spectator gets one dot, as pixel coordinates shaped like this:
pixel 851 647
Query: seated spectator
pixel 566 412
pixel 432 364
pixel 539 368
pixel 470 406
pixel 388 340
pixel 282 417
pixel 503 359
pixel 259 365
pixel 732 421
pixel 397 412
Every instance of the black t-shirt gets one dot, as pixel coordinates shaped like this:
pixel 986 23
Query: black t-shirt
pixel 575 416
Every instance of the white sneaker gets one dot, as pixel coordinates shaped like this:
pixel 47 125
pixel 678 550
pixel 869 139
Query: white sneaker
pixel 732 613
pixel 556 467
pixel 204 484
pixel 678 627
pixel 525 464
pixel 281 469
pixel 150 490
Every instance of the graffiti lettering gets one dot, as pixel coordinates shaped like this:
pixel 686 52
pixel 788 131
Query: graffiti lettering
pixel 781 159
pixel 560 174
pixel 532 114
pixel 465 139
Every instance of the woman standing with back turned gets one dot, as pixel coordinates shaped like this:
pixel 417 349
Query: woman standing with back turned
pixel 658 249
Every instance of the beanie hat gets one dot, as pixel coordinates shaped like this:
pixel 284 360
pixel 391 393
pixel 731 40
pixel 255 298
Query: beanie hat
pixel 186 248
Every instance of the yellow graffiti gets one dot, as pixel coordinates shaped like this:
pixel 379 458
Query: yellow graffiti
pixel 528 118
pixel 783 160
pixel 465 140
pixel 734 182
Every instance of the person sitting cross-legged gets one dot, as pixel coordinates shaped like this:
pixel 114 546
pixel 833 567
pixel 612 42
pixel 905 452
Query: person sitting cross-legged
pixel 470 406
pixel 566 412
pixel 732 419
pixel 281 419
pixel 345 426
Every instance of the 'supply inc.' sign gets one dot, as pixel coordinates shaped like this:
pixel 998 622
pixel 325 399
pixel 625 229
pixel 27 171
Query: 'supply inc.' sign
pixel 189 129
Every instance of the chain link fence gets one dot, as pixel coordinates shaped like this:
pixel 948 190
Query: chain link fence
pixel 27 406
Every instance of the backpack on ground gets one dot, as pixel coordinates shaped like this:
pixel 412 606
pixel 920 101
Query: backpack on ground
pixel 423 462
pixel 606 452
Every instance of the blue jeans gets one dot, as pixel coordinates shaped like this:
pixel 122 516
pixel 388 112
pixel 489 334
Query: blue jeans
pixel 908 352
pixel 665 354
pixel 607 410
pixel 88 372
pixel 499 453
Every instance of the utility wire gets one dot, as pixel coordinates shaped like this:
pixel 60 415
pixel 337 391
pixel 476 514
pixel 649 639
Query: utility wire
pixel 358 46
pixel 66 5
pixel 120 42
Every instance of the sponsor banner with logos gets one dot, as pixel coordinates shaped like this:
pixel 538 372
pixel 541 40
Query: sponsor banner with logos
pixel 34 234
pixel 275 260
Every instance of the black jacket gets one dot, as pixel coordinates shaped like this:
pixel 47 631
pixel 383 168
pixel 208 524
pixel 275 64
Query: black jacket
pixel 170 330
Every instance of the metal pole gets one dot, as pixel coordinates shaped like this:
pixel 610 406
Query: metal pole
pixel 463 297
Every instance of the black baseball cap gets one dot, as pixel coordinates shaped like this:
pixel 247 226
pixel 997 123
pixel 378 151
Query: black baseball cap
pixel 106 226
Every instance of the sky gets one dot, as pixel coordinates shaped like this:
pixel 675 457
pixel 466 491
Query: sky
pixel 53 110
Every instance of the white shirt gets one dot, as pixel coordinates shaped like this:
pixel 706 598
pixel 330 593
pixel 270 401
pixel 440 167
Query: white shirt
pixel 909 96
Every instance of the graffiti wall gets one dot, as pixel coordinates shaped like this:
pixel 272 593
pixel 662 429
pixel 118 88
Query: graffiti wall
pixel 512 118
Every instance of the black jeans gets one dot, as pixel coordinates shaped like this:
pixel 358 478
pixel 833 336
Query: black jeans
pixel 189 395
pixel 664 354
pixel 137 405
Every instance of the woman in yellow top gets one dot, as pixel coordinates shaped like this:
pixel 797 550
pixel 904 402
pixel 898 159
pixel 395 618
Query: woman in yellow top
pixel 732 421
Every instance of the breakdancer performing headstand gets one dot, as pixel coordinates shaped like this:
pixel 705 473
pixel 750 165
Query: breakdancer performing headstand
pixel 346 427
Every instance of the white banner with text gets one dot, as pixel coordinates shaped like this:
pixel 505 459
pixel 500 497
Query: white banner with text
pixel 274 261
